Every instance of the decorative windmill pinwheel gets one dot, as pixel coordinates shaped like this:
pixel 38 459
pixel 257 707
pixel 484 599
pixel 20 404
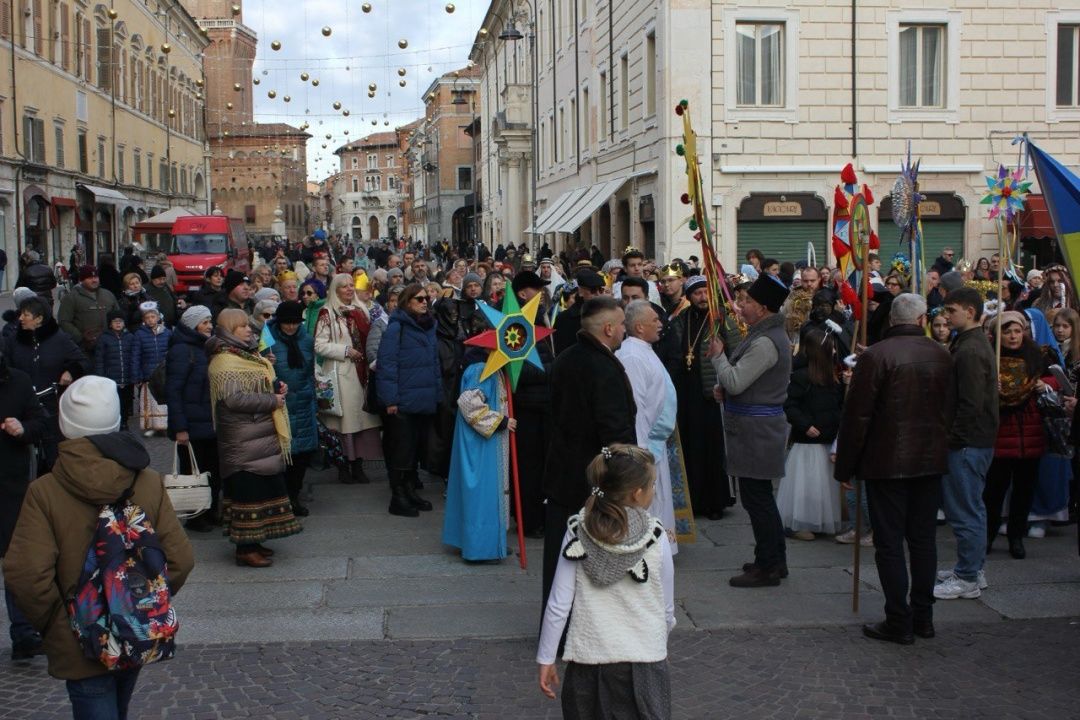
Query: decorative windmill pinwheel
pixel 905 211
pixel 1006 193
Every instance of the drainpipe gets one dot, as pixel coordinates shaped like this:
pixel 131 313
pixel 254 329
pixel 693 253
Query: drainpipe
pixel 854 91
pixel 577 92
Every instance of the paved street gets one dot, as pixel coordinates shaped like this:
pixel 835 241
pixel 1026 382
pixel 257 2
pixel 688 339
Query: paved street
pixel 368 615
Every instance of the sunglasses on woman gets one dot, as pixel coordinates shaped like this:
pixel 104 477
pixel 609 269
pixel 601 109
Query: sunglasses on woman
pixel 421 298
pixel 308 293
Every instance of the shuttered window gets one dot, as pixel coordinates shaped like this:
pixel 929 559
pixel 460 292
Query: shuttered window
pixel 59 133
pixel 784 241
pixel 34 139
pixel 39 29
pixel 65 37
pixel 104 59
pixel 5 19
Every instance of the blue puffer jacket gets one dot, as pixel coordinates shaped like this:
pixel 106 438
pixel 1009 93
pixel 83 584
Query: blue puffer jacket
pixel 114 357
pixel 408 373
pixel 301 381
pixel 150 350
pixel 187 385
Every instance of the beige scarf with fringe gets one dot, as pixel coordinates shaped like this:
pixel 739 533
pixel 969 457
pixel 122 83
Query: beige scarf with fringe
pixel 235 371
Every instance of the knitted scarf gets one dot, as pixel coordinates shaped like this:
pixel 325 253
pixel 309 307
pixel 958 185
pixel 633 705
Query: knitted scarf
pixel 236 368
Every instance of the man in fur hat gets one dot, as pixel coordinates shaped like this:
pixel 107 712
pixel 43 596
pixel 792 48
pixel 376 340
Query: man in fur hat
pixel 752 385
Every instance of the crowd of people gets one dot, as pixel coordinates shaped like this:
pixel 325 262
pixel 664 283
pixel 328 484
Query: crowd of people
pixel 644 412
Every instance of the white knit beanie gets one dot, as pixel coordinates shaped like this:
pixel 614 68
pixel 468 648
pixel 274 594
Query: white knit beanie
pixel 90 406
pixel 22 293
pixel 195 315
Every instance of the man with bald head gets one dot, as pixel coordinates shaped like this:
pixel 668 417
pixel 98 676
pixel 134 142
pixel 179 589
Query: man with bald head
pixel 592 406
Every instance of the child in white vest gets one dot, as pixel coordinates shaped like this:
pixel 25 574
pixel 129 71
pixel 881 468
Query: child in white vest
pixel 618 577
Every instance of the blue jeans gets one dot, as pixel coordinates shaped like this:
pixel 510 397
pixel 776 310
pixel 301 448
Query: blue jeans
pixel 962 500
pixel 849 500
pixel 18 626
pixel 104 697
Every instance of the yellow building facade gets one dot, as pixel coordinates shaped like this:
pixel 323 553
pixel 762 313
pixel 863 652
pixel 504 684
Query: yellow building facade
pixel 101 122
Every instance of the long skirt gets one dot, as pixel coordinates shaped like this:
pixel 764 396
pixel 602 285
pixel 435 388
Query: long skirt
pixel 617 691
pixel 257 508
pixel 809 498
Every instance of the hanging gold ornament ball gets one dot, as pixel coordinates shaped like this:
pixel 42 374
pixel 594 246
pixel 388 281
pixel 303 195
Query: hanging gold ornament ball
pixel 403 43
pixel 166 48
pixel 450 7
pixel 372 87
pixel 386 122
pixel 226 133
pixel 371 94
pixel 345 131
pixel 198 96
pixel 237 87
pixel 272 94
pixel 276 45
pixel 172 113
pixel 315 82
pixel 326 31
pixel 374 122
pixel 483 32
pixel 324 146
pixel 366 7
pixel 255 81
pixel 345 113
pixel 328 136
pixel 402 83
pixel 113 14
pixel 235 9
pixel 228 106
pixel 304 76
pixel 337 105
pixel 199 82
pixel 286 98
pixel 401 72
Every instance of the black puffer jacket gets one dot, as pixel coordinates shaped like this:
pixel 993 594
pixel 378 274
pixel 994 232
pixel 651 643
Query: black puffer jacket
pixel 17 400
pixel 45 354
pixel 816 406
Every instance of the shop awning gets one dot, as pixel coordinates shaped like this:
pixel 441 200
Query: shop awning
pixel 104 194
pixel 1035 221
pixel 64 202
pixel 555 211
pixel 591 201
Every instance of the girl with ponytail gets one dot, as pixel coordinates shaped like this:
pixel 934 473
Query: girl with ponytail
pixel 616 572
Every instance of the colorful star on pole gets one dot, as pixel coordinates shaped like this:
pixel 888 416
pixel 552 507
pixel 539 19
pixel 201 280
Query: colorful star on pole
pixel 513 341
pixel 1006 193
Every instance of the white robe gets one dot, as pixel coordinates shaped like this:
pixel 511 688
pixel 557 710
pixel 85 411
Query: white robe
pixel 654 395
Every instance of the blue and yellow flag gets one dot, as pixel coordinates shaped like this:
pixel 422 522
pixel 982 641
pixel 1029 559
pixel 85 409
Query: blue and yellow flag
pixel 1061 191
pixel 266 339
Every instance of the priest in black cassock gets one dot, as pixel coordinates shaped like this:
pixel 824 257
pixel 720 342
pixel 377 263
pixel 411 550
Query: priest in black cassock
pixel 701 422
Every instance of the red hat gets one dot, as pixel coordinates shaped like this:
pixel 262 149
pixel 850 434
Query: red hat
pixel 87 271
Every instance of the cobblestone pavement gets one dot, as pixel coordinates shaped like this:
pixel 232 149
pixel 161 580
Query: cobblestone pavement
pixel 1018 669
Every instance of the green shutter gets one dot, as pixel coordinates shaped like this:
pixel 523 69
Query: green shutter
pixel 785 241
pixel 937 234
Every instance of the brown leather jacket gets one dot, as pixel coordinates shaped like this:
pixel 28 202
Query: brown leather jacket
pixel 898 409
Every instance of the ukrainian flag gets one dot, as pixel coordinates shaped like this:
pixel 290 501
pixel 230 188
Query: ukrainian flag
pixel 1061 191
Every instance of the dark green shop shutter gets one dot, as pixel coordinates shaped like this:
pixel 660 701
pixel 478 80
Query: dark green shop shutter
pixel 937 234
pixel 785 241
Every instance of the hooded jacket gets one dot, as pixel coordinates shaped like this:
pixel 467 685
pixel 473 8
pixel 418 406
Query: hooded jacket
pixel 187 385
pixel 55 527
pixel 409 375
pixel 46 354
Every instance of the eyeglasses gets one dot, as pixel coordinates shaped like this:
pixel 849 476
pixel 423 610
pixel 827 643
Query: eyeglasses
pixel 948 254
pixel 309 293
pixel 267 316
pixel 421 298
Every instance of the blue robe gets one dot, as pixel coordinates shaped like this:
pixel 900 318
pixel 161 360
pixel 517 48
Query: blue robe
pixel 477 504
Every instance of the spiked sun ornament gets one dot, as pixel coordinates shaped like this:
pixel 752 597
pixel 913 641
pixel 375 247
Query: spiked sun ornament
pixel 513 341
pixel 905 211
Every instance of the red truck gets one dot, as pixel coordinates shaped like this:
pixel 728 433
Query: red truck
pixel 200 242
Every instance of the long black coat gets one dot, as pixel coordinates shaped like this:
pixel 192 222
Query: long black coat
pixel 17 400
pixel 816 406
pixel 592 405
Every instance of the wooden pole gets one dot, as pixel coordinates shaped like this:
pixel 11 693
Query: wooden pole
pixel 863 329
pixel 1001 276
pixel 514 474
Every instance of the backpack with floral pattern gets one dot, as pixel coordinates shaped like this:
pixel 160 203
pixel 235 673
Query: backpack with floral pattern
pixel 121 611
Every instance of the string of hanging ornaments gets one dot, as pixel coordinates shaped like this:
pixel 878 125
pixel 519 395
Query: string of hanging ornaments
pixel 279 74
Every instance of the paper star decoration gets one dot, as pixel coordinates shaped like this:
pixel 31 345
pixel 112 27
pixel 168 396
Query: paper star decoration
pixel 1007 193
pixel 513 341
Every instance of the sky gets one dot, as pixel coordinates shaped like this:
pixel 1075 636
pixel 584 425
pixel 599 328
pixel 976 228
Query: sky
pixel 362 48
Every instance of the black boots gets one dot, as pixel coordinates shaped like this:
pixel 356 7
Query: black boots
pixel 399 501
pixel 403 498
pixel 345 475
pixel 298 508
pixel 358 475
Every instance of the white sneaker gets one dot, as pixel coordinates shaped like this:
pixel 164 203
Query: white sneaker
pixel 944 575
pixel 847 538
pixel 954 588
pixel 867 540
pixel 1037 531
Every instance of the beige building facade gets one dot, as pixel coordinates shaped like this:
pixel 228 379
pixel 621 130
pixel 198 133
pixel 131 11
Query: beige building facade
pixel 101 122
pixel 778 109
pixel 368 191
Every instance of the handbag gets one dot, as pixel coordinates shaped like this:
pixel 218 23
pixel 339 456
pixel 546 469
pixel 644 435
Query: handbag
pixel 1056 422
pixel 327 397
pixel 190 494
